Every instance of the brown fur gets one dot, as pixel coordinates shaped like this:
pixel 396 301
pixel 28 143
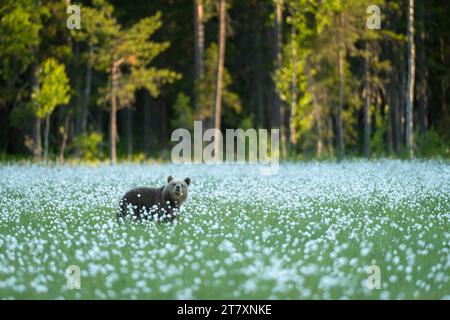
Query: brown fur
pixel 165 201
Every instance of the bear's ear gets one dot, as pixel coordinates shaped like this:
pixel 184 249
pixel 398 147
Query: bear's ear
pixel 169 178
pixel 187 180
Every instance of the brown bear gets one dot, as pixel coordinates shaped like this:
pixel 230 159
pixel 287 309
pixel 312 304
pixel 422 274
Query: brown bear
pixel 162 204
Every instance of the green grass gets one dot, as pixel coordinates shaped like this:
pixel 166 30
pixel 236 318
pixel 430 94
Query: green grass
pixel 223 247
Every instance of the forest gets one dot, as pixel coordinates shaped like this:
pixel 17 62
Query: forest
pixel 338 78
pixel 354 203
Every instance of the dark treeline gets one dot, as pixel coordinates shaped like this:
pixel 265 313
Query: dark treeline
pixel 136 70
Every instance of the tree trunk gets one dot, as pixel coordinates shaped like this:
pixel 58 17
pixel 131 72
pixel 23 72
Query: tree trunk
pixel 199 48
pixel 78 98
pixel 443 81
pixel 389 133
pixel 319 124
pixel 367 149
pixel 130 133
pixel 277 60
pixel 162 124
pixel 394 89
pixel 47 131
pixel 279 113
pixel 397 127
pixel 339 125
pixel 292 127
pixel 393 110
pixel 220 66
pixel 37 142
pixel 87 94
pixel 330 136
pixel 410 83
pixel 401 108
pixel 112 131
pixel 318 116
pixel 64 134
pixel 422 90
pixel 340 147
pixel 113 115
pixel 259 94
pixel 147 123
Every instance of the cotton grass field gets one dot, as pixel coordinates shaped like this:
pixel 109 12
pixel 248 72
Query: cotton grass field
pixel 309 232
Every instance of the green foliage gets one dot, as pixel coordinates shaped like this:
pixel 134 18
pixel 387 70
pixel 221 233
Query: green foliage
pixel 206 87
pixel 53 89
pixel 210 9
pixel 308 80
pixel 184 114
pixel 20 25
pixel 20 115
pixel 291 81
pixel 378 141
pixel 129 49
pixel 247 123
pixel 87 146
pixel 132 36
pixel 431 145
pixel 98 23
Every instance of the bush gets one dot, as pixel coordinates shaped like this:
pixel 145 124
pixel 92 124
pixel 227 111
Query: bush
pixel 88 146
pixel 431 145
pixel 184 113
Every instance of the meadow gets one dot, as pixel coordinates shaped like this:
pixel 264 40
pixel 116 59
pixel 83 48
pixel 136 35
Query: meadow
pixel 309 232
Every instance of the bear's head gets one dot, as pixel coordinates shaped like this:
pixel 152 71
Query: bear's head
pixel 176 191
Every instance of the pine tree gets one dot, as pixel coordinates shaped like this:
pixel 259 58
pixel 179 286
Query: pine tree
pixel 126 56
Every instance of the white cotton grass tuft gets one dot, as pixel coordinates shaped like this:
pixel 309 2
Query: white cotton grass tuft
pixel 311 231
